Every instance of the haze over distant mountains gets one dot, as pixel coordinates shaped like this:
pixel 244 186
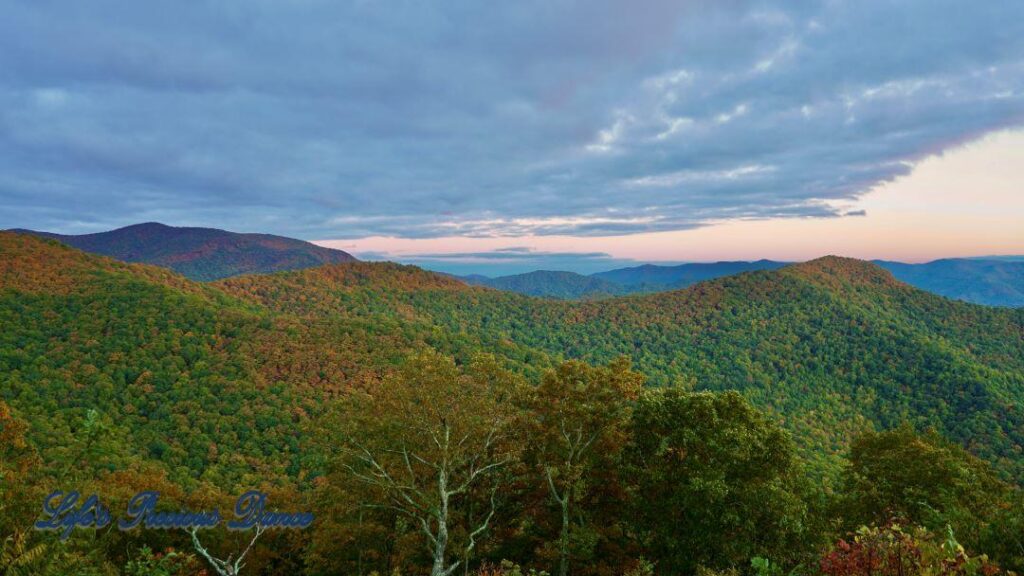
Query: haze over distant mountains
pixel 202 253
pixel 632 280
pixel 206 254
pixel 995 282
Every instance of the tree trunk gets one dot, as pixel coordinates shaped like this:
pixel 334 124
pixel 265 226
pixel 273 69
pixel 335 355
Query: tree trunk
pixel 563 537
pixel 563 540
pixel 441 539
pixel 440 548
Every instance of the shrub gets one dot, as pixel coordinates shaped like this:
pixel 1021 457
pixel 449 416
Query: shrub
pixel 892 550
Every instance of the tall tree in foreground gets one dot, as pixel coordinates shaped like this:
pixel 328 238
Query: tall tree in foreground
pixel 717 482
pixel 20 468
pixel 921 479
pixel 424 441
pixel 1003 538
pixel 232 565
pixel 19 495
pixel 579 425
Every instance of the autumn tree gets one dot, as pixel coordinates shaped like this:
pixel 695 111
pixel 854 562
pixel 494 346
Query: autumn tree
pixel 19 466
pixel 579 425
pixel 894 550
pixel 425 439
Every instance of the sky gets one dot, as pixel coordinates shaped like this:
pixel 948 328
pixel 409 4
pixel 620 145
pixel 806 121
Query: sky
pixel 968 202
pixel 502 137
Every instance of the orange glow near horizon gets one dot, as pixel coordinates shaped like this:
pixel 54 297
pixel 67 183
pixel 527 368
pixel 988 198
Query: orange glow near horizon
pixel 966 202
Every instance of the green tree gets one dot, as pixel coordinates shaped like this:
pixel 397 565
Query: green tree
pixel 424 440
pixel 1003 537
pixel 580 418
pixel 168 563
pixel 717 482
pixel 921 479
pixel 18 557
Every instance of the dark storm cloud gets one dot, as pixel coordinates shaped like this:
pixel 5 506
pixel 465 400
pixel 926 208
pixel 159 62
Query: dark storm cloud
pixel 328 119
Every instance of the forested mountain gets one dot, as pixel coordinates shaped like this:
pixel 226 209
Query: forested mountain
pixel 206 254
pixel 993 282
pixel 549 284
pixel 130 376
pixel 982 281
pixel 832 346
pixel 636 280
pixel 652 276
pixel 202 253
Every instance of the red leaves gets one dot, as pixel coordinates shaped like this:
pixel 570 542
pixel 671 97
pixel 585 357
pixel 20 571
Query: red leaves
pixel 891 551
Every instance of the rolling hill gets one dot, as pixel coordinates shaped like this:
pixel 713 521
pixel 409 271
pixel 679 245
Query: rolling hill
pixel 549 284
pixel 830 347
pixel 206 254
pixel 992 282
pixel 202 253
pixel 651 276
pixel 635 280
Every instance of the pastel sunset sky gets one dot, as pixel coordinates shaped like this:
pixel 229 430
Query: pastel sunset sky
pixel 505 137
pixel 967 202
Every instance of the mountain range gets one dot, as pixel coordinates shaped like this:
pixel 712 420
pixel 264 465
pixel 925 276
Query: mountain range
pixel 206 254
pixel 212 381
pixel 994 282
pixel 202 253
pixel 633 280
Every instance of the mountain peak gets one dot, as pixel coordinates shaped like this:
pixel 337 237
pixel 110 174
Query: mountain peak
pixel 202 253
pixel 550 283
pixel 146 225
pixel 834 270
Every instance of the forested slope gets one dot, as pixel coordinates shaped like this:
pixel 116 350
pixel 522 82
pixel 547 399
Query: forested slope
pixel 215 380
pixel 832 346
pixel 214 387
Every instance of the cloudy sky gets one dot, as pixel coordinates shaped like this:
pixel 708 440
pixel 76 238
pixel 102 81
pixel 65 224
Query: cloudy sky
pixel 515 135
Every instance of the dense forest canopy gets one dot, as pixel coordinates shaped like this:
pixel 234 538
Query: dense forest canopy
pixel 118 376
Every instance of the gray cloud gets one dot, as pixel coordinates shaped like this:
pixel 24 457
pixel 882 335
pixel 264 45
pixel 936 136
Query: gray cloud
pixel 328 119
